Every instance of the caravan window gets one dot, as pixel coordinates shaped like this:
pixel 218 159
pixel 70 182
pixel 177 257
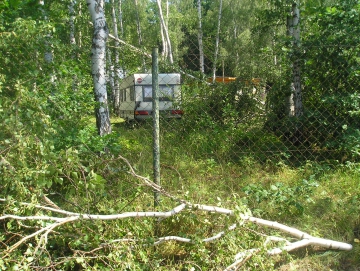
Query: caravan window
pixel 166 93
pixel 121 95
pixel 147 94
pixel 132 94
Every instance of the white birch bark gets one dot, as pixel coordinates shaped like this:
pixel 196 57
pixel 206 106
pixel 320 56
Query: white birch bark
pixel 98 63
pixel 289 100
pixel 296 65
pixel 138 28
pixel 72 37
pixel 48 55
pixel 217 42
pixel 164 43
pixel 79 30
pixel 294 101
pixel 72 22
pixel 116 70
pixel 166 50
pixel 200 38
pixel 166 32
pixel 121 18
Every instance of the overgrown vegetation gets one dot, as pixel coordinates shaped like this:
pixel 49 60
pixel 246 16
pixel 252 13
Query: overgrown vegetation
pixel 233 148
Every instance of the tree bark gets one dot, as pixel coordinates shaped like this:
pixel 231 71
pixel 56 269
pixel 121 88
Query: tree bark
pixel 48 55
pixel 164 43
pixel 138 28
pixel 294 101
pixel 72 38
pixel 296 65
pixel 200 38
pixel 72 22
pixel 166 33
pixel 121 18
pixel 217 42
pixel 98 63
pixel 117 71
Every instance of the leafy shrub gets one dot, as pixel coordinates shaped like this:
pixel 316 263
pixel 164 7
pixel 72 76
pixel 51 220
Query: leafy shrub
pixel 280 199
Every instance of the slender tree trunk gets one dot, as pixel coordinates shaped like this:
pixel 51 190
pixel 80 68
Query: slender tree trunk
pixel 122 71
pixel 295 106
pixel 72 22
pixel 289 100
pixel 166 52
pixel 166 32
pixel 48 55
pixel 217 42
pixel 72 37
pixel 200 38
pixel 79 30
pixel 116 72
pixel 296 66
pixel 121 18
pixel 138 28
pixel 164 43
pixel 98 63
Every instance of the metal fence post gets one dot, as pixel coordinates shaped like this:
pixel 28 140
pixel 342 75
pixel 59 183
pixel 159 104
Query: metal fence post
pixel 156 126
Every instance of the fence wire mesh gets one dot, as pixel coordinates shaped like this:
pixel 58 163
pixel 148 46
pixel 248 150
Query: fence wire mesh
pixel 238 117
pixel 247 111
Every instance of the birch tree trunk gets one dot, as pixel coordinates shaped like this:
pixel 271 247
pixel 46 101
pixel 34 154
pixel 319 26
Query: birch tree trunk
pixel 138 28
pixel 217 42
pixel 289 100
pixel 295 100
pixel 166 33
pixel 48 55
pixel 296 65
pixel 72 37
pixel 121 18
pixel 116 72
pixel 98 63
pixel 122 71
pixel 200 38
pixel 72 22
pixel 164 43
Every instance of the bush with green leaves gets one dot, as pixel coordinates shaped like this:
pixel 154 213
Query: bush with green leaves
pixel 332 72
pixel 330 75
pixel 283 200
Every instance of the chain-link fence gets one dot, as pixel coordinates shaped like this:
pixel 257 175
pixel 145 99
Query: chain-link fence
pixel 247 111
pixel 255 118
pixel 261 114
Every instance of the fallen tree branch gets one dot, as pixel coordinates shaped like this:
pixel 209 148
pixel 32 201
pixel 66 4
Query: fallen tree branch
pixel 240 258
pixel 306 239
pixel 299 234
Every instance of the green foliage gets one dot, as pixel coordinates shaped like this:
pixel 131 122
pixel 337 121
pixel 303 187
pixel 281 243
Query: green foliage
pixel 332 83
pixel 283 200
pixel 216 154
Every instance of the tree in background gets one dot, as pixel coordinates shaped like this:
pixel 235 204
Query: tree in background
pixel 98 60
pixel 200 37
pixel 331 94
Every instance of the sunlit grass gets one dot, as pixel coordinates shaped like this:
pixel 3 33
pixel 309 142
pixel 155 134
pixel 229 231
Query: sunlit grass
pixel 331 210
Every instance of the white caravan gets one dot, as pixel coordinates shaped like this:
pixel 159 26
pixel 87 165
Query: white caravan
pixel 136 96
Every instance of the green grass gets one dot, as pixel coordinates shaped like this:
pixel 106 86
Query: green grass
pixel 328 197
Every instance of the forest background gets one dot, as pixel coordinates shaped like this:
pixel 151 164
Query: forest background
pixel 281 142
